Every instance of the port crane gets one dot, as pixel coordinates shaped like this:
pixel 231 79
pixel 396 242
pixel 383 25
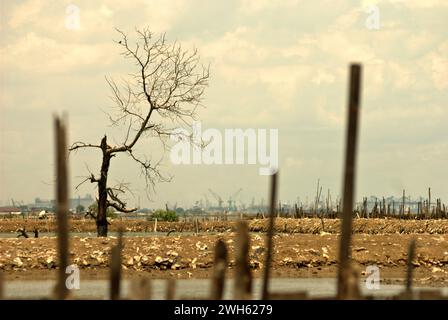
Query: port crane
pixel 217 197
pixel 207 202
pixel 232 200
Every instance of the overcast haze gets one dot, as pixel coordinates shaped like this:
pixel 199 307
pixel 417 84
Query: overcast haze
pixel 273 64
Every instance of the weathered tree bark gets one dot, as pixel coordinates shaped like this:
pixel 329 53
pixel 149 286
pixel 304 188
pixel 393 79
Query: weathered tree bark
pixel 101 218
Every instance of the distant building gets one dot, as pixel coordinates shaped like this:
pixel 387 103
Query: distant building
pixel 43 204
pixel 7 211
pixel 49 205
pixel 85 201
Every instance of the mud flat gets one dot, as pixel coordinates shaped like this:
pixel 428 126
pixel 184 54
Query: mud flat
pixel 191 256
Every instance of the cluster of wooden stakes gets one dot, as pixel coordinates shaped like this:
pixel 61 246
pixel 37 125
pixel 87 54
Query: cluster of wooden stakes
pixel 348 278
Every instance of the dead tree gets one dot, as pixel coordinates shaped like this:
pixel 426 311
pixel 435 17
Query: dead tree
pixel 161 95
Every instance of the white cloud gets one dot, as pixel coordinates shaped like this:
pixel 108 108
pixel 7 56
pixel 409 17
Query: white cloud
pixel 412 3
pixel 254 6
pixel 26 13
pixel 323 76
pixel 38 54
pixel 439 68
pixel 294 162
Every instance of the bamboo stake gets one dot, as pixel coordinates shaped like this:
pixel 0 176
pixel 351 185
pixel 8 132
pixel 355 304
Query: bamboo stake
pixel 61 205
pixel 219 270
pixel 269 238
pixel 349 179
pixel 242 279
pixel 115 268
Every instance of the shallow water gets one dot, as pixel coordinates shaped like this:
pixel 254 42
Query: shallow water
pixel 194 289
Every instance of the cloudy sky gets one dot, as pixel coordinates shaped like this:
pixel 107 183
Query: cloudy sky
pixel 274 64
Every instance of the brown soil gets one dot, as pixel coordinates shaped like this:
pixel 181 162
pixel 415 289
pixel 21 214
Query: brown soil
pixel 305 225
pixel 295 255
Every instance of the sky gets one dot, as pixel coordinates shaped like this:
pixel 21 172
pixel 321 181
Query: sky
pixel 273 65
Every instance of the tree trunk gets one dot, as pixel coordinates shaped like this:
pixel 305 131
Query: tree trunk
pixel 101 219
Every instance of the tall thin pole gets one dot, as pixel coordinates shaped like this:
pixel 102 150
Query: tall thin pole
pixel 411 254
pixel 219 270
pixel 349 176
pixel 403 205
pixel 269 237
pixel 243 277
pixel 115 268
pixel 62 206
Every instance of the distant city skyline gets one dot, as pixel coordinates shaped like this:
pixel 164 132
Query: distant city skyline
pixel 308 201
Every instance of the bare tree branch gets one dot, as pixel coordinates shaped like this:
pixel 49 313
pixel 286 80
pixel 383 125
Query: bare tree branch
pixel 78 145
pixel 166 88
pixel 117 203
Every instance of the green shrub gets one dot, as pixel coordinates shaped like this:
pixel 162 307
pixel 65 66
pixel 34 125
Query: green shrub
pixel 163 215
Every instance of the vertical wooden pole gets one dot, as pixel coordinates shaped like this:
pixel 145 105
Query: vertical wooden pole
pixel 219 270
pixel 269 238
pixel 316 200
pixel 411 254
pixel 115 267
pixel 403 204
pixel 429 202
pixel 242 279
pixel 349 178
pixel 62 205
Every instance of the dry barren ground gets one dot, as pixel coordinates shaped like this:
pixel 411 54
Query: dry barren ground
pixel 191 256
